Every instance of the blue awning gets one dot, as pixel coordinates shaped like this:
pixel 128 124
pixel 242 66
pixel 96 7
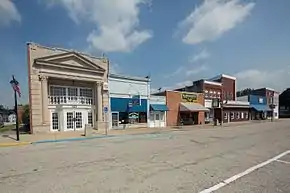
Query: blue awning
pixel 159 107
pixel 259 107
pixel 122 105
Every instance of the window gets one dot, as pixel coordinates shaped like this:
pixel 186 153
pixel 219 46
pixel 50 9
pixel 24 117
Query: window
pixel 242 115
pixel 232 115
pixel 157 117
pixel 151 116
pixel 238 115
pixel 72 91
pixel 90 118
pixel 57 91
pixel 54 121
pixel 246 115
pixel 225 115
pixel 162 116
pixel 86 92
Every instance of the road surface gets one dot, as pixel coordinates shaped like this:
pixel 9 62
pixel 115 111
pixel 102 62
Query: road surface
pixel 224 160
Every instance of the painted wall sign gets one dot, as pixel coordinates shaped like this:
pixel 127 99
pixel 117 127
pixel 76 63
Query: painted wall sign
pixel 188 98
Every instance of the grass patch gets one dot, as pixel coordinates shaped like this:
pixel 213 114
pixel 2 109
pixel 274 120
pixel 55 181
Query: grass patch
pixel 7 128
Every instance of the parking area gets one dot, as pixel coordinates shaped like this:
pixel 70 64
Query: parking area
pixel 179 161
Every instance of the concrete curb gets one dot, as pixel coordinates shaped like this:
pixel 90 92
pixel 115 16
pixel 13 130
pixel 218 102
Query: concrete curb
pixel 11 144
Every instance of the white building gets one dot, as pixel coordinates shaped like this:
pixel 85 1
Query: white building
pixel 12 118
pixel 129 101
pixel 158 111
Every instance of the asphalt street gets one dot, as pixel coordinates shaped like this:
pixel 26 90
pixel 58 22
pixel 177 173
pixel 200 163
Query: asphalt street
pixel 224 160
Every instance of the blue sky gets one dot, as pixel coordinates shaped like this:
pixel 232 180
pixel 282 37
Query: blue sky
pixel 173 41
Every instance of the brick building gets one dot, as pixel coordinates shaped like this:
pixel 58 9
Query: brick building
pixel 223 88
pixel 184 106
pixel 210 89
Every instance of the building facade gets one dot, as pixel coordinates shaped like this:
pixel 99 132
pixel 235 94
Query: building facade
pixel 129 101
pixel 258 106
pixel 211 90
pixel 158 111
pixel 67 89
pixel 284 104
pixel 184 108
pixel 272 97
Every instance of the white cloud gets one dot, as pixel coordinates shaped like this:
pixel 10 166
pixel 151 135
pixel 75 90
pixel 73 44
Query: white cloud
pixel 212 19
pixel 8 12
pixel 253 78
pixel 202 55
pixel 116 22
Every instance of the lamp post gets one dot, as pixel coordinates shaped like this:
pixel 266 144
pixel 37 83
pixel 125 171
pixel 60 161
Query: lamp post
pixel 15 85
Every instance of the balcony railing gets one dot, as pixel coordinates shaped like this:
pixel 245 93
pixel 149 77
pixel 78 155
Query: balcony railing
pixel 70 100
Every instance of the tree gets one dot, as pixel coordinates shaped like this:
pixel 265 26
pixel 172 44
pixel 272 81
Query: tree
pixel 26 115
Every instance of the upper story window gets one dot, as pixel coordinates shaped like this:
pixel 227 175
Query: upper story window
pixel 72 91
pixel 57 91
pixel 86 92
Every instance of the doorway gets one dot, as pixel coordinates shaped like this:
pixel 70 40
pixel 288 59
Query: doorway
pixel 115 120
pixel 74 120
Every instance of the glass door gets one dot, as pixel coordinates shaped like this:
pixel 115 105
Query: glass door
pixel 74 120
pixel 115 120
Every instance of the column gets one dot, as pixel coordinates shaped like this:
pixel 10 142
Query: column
pixel 100 102
pixel 44 97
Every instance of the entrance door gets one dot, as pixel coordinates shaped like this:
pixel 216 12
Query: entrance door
pixel 74 120
pixel 115 120
pixel 157 119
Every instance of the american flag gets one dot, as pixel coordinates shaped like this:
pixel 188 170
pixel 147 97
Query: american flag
pixel 15 85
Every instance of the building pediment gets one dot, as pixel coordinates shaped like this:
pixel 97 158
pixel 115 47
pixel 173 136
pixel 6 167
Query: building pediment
pixel 70 61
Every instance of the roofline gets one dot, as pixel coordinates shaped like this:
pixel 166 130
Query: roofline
pixel 63 49
pixel 212 82
pixel 223 76
pixel 112 75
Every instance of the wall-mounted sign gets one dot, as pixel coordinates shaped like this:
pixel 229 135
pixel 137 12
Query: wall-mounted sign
pixel 136 100
pixel 188 98
pixel 133 115
pixel 261 100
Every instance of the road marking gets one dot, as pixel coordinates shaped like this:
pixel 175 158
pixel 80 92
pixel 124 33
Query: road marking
pixel 282 161
pixel 246 172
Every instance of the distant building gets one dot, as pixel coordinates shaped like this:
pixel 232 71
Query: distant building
pixel 284 104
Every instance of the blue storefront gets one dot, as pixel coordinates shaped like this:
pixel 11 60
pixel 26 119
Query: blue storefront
pixel 129 110
pixel 259 107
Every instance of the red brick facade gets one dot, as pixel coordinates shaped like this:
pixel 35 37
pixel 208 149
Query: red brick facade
pixel 173 100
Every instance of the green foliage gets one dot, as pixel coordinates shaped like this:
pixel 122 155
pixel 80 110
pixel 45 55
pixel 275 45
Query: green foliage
pixel 26 114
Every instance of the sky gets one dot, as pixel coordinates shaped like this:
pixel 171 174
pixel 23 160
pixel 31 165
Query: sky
pixel 175 42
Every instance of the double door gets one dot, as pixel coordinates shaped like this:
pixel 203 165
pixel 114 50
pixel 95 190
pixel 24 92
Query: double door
pixel 74 120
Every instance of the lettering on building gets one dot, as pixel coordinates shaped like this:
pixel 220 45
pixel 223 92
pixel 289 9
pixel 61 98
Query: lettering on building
pixel 189 98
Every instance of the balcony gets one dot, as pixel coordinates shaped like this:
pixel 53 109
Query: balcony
pixel 70 100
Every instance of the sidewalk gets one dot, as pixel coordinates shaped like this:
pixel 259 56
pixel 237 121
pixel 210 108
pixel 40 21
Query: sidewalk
pixel 25 139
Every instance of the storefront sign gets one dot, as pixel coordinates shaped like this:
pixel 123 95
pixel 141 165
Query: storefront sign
pixel 188 98
pixel 136 100
pixel 133 115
